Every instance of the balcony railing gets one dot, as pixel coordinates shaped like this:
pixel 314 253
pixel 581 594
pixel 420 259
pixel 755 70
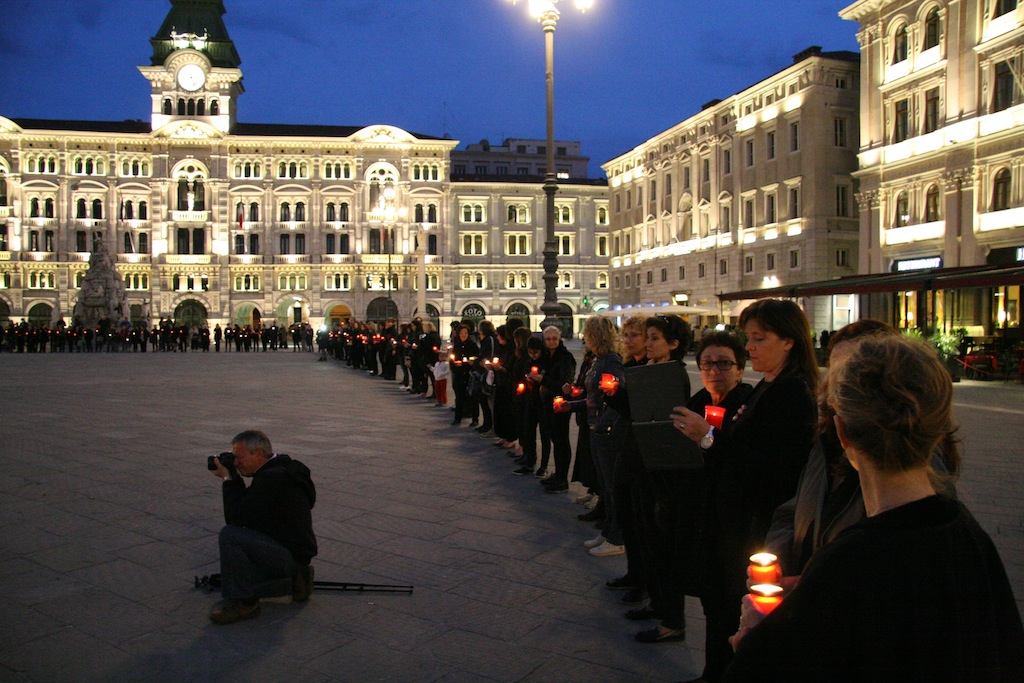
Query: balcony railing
pixel 133 258
pixel 245 259
pixel 291 258
pixel 187 259
pixel 190 216
pixel 38 256
pixel 78 256
pixel 336 258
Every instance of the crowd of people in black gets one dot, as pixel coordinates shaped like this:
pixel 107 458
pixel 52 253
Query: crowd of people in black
pixel 848 480
pixel 165 336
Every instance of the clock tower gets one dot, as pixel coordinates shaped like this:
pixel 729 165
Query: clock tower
pixel 194 72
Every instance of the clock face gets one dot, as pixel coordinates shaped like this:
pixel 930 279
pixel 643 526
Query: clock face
pixel 191 77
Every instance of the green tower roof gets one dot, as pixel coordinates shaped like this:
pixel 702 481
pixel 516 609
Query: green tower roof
pixel 199 18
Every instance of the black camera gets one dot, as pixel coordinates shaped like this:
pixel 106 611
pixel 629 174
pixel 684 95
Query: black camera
pixel 226 459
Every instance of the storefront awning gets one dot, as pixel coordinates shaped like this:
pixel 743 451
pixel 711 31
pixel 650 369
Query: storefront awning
pixel 918 280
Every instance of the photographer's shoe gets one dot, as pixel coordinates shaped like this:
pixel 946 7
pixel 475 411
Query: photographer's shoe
pixel 302 584
pixel 236 610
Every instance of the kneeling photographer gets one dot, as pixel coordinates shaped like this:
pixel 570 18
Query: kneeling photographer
pixel 268 540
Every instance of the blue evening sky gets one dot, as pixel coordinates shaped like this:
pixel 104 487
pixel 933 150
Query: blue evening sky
pixel 469 69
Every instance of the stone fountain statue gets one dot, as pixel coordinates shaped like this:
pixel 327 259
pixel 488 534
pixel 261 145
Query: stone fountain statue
pixel 102 294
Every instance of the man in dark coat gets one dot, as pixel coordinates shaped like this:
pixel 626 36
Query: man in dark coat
pixel 268 539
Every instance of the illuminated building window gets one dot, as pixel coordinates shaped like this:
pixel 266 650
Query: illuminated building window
pixel 602 280
pixel 1004 7
pixel 931 110
pixel 517 244
pixel 472 213
pixel 931 204
pixel 1004 88
pixel 902 210
pixel 901 120
pixel 899 45
pixel 1001 190
pixel 566 244
pixel 931 30
pixel 472 244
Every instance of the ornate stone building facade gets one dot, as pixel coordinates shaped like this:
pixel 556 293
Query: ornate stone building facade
pixel 754 192
pixel 209 219
pixel 942 160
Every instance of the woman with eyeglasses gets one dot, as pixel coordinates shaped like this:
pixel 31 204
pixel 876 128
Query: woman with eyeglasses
pixel 678 496
pixel 916 592
pixel 753 466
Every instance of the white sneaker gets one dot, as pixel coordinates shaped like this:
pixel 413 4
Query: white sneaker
pixel 593 542
pixel 607 549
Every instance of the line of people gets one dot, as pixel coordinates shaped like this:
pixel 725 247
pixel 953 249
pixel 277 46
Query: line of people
pixel 848 480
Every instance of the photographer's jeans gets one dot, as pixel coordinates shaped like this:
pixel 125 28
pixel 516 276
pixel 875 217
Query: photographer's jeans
pixel 253 564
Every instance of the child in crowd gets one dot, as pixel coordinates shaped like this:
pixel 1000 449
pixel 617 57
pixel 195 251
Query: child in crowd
pixel 441 370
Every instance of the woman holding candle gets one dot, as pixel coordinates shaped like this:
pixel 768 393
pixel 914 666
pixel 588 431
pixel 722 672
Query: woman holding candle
pixel 752 466
pixel 527 401
pixel 556 382
pixel 915 592
pixel 679 495
pixel 605 422
pixel 627 464
pixel 464 353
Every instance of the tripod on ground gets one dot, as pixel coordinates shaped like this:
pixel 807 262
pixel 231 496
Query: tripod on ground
pixel 212 582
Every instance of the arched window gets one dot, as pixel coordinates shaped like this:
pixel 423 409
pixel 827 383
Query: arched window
pixel 88 167
pixel 97 208
pixel 215 108
pixel 510 281
pixel 181 112
pixel 168 107
pixel 332 212
pixel 33 207
pixel 902 216
pixel 143 243
pixel 143 211
pixel 602 280
pixel 201 108
pixel 48 207
pixel 79 169
pixel 432 213
pixel 1001 190
pixel 80 210
pixel 343 212
pixel 293 170
pixel 3 189
pixel 300 211
pixel 418 214
pixel 931 204
pixel 129 210
pixel 1004 7
pixel 467 280
pixel 286 212
pixel 900 44
pixel 254 211
pixel 602 216
pixel 512 214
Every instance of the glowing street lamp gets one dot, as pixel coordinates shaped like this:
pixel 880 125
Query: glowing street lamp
pixel 546 12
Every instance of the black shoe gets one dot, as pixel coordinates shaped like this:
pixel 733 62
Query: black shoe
pixel 474 423
pixel 302 584
pixel 557 487
pixel 620 584
pixel 656 635
pixel 641 613
pixel 523 470
pixel 456 421
pixel 483 429
pixel 634 596
pixel 591 516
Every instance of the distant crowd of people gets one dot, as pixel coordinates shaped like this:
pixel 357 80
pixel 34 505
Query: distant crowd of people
pixel 848 480
pixel 165 336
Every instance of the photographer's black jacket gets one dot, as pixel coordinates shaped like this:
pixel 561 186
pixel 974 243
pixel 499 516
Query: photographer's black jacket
pixel 278 502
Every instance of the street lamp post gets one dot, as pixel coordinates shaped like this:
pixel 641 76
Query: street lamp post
pixel 546 12
pixel 421 271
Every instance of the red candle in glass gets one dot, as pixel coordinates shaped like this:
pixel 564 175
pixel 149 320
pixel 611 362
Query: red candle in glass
pixel 521 389
pixel 534 370
pixel 558 403
pixel 766 597
pixel 576 391
pixel 715 415
pixel 608 382
pixel 764 568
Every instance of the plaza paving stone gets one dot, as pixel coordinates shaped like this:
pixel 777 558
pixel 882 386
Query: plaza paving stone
pixel 107 512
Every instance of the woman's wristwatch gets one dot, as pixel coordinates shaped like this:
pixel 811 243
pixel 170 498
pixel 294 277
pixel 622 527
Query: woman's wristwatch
pixel 708 440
